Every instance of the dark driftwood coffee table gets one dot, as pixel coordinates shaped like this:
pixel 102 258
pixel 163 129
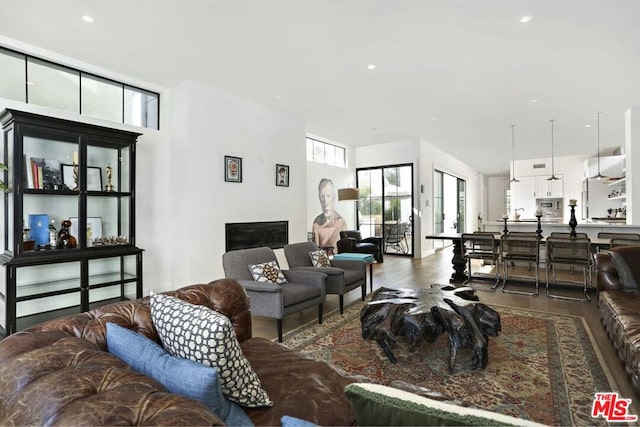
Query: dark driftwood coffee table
pixel 427 313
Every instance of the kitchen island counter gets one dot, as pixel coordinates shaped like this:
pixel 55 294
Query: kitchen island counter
pixel 590 228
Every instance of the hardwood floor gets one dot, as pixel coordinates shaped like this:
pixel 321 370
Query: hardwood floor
pixel 406 272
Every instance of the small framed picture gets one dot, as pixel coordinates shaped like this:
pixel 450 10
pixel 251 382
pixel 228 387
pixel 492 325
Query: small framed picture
pixel 67 177
pixel 232 169
pixel 282 175
pixel 94 228
pixel 94 178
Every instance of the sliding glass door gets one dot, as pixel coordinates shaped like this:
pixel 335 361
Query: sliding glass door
pixel 385 207
pixel 449 203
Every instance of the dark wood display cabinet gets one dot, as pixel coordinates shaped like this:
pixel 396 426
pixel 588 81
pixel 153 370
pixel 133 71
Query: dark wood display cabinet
pixel 69 218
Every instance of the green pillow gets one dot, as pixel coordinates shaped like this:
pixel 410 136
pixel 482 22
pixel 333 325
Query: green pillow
pixel 378 405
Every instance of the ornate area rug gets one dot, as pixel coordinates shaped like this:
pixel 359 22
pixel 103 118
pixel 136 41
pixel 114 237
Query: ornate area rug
pixel 543 367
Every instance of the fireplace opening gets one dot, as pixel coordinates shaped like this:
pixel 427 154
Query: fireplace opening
pixel 243 235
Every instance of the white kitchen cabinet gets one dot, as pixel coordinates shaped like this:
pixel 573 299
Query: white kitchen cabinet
pixel 549 189
pixel 523 196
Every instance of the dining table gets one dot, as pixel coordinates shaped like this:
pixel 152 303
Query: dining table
pixel 459 262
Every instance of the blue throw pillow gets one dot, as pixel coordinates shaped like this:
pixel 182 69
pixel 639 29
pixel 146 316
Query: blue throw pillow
pixel 288 421
pixel 179 376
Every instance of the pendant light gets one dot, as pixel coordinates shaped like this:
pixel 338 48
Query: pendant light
pixel 513 151
pixel 553 176
pixel 599 176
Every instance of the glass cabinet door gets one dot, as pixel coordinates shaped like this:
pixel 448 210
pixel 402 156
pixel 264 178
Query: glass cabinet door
pixel 60 290
pixel 49 179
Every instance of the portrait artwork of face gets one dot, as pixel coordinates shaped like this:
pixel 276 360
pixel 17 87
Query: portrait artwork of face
pixel 233 169
pixel 282 174
pixel 328 224
pixel 326 193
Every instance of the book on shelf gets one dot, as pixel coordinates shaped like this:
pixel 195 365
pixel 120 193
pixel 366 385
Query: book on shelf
pixel 28 173
pixel 42 174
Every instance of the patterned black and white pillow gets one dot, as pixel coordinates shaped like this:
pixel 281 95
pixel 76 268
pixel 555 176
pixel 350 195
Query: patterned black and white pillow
pixel 267 272
pixel 198 333
pixel 319 258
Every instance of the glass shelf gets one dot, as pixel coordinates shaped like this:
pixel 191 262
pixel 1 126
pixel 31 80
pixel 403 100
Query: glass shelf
pixel 45 289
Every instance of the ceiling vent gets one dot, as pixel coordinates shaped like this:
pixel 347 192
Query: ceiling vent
pixel 540 166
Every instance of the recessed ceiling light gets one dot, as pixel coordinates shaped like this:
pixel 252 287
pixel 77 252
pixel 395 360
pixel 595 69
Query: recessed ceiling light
pixel 434 118
pixel 587 125
pixel 87 18
pixel 30 83
pixel 525 19
pixel 371 67
pixel 533 101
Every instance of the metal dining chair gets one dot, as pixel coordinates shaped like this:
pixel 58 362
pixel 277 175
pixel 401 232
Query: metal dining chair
pixel 516 247
pixel 483 246
pixel 573 252
pixel 625 236
pixel 563 235
pixel 615 242
pixel 621 239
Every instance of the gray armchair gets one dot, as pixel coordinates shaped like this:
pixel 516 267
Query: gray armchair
pixel 342 277
pixel 304 289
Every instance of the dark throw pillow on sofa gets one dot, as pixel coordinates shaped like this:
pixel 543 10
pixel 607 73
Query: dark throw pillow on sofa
pixel 180 376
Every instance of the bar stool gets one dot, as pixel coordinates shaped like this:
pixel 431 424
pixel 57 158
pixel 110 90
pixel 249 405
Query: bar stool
pixel 563 235
pixel 626 236
pixel 484 246
pixel 624 242
pixel 525 248
pixel 574 252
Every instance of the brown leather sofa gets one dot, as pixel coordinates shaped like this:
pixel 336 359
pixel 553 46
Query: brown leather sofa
pixel 59 372
pixel 619 305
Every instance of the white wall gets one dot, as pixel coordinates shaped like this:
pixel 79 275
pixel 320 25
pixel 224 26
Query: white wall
pixel 218 124
pixel 495 191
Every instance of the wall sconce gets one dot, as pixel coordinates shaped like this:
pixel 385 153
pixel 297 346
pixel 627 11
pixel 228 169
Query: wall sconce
pixel 348 194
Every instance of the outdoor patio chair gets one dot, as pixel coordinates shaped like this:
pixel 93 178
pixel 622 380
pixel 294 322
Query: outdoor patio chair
pixel 395 237
pixel 303 289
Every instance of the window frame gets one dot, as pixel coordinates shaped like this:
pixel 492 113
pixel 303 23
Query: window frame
pixel 339 157
pixel 123 85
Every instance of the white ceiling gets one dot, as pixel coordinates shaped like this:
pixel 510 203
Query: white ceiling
pixel 455 73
